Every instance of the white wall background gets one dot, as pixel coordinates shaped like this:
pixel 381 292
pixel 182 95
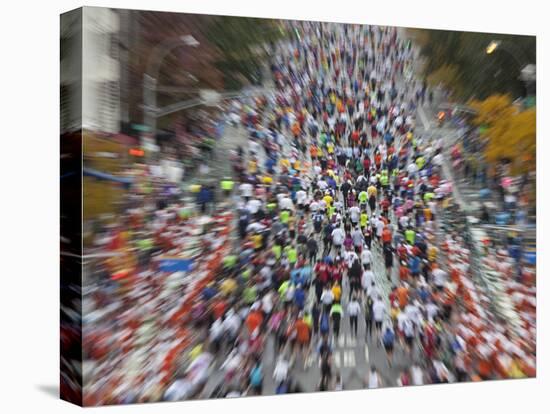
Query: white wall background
pixel 29 272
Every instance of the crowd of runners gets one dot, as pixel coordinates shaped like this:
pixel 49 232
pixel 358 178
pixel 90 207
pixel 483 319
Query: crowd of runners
pixel 339 206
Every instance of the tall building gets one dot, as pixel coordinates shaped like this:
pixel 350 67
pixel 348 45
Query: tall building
pixel 128 40
pixel 100 70
pixel 71 71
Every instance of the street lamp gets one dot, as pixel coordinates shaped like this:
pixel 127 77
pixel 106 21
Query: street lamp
pixel 491 47
pixel 150 76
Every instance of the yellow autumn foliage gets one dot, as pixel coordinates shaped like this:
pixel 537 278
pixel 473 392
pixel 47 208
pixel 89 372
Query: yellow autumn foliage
pixel 492 109
pixel 510 133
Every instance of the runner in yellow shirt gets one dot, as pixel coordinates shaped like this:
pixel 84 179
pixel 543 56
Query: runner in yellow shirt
pixel 256 241
pixel 328 199
pixel 285 163
pixel 319 152
pixel 372 191
pixel 336 292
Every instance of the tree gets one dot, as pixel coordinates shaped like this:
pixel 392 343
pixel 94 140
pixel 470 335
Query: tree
pixel 460 62
pixel 447 75
pixel 492 109
pixel 240 43
pixel 510 132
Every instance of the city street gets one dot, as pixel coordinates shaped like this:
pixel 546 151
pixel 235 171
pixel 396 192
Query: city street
pixel 333 196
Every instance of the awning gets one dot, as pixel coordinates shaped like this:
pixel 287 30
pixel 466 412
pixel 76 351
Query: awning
pixel 105 176
pixel 174 264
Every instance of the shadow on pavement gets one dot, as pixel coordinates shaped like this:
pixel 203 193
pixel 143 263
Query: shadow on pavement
pixel 50 389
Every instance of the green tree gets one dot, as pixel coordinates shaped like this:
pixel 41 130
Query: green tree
pixel 240 42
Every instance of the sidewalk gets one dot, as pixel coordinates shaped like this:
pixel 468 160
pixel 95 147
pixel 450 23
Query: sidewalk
pixel 468 194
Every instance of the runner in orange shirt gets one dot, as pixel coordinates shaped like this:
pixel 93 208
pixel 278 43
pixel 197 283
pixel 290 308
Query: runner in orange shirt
pixel 402 294
pixel 254 320
pixel 302 336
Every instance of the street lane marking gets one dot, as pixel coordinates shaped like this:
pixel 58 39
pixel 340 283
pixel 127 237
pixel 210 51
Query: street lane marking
pixel 351 341
pixel 311 360
pixel 349 359
pixel 341 341
pixel 366 353
pixel 337 361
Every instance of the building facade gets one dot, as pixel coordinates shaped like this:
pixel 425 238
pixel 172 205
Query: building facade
pixel 100 70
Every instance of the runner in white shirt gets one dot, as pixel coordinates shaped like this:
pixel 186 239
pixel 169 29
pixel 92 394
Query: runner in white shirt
pixel 354 213
pixel 438 160
pixel 267 303
pixel 286 204
pixel 431 311
pixel 354 309
pixel 406 325
pixel 379 228
pixel 350 257
pixel 301 196
pixel 378 313
pixel 314 207
pixel 404 221
pixel 366 256
pixel 216 330
pixel 439 277
pixel 338 237
pixel 412 169
pixel 265 277
pixel 327 297
pixel 246 190
pixel 179 390
pixel 280 373
pixel 417 376
pixel 367 278
pixel 373 379
pixel 253 205
pixel 255 148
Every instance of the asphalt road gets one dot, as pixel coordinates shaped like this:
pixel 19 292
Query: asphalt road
pixel 353 356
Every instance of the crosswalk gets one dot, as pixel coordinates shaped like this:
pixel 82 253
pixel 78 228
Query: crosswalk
pixel 345 359
pixel 347 340
pixel 348 353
